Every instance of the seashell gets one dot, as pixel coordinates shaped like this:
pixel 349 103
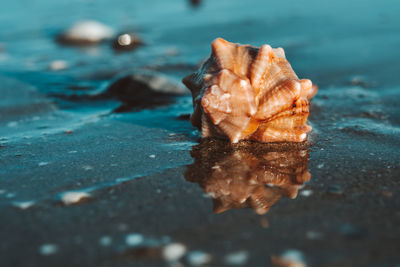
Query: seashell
pixel 245 92
pixel 87 32
pixel 249 176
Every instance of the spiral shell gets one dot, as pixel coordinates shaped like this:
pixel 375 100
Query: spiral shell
pixel 244 92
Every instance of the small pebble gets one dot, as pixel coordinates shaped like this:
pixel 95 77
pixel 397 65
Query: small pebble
pixel 306 192
pixel 48 249
pixel 24 204
pixel 198 258
pixel 290 258
pixel 173 252
pixel 134 239
pixel 237 258
pixel 70 198
pixel 57 65
pixel 126 42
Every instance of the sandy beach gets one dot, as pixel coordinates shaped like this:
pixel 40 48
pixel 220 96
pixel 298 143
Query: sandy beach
pixel 89 178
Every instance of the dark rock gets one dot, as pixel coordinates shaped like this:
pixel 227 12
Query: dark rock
pixel 144 91
pixel 195 3
pixel 184 117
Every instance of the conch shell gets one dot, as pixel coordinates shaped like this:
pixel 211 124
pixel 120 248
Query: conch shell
pixel 244 92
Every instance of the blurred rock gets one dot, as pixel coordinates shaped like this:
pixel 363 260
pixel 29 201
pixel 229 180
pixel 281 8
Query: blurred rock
pixel 195 3
pixel 184 117
pixel 147 90
pixel 126 42
pixel 86 32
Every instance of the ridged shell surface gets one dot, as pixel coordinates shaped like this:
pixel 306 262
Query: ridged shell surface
pixel 245 92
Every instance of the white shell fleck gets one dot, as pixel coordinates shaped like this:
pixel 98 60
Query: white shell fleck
pixel 173 252
pixel 237 258
pixel 73 197
pixel 48 249
pixel 134 239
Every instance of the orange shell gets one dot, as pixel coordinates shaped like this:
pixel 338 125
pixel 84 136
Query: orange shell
pixel 244 92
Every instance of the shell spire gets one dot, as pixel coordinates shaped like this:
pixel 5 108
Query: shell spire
pixel 245 92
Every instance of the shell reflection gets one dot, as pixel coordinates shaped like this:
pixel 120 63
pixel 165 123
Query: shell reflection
pixel 248 175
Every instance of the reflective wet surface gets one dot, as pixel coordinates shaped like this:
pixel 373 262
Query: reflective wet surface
pixel 249 175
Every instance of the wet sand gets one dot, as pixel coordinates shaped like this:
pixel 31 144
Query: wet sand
pixel 145 178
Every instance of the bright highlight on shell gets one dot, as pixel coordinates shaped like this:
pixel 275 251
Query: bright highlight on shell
pixel 245 92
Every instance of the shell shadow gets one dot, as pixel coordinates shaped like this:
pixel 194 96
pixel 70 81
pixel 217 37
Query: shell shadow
pixel 248 174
